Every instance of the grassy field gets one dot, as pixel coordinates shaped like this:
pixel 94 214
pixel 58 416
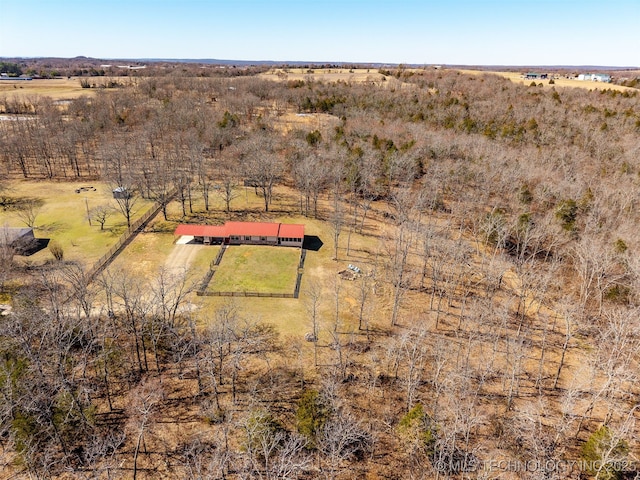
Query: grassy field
pixel 256 268
pixel 372 76
pixel 357 75
pixel 56 89
pixel 323 122
pixel 63 218
pixel 145 255
pixel 351 76
pixel 559 82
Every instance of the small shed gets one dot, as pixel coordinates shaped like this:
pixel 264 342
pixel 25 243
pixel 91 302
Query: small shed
pixel 16 237
pixel 121 192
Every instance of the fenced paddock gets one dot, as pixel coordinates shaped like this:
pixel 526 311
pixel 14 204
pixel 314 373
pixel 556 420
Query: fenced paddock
pixel 248 294
pixel 254 271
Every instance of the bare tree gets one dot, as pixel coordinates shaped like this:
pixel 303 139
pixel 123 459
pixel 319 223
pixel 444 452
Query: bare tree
pixel 313 296
pixel 264 436
pixel 414 353
pixel 126 199
pixel 101 214
pixel 568 317
pixel 398 266
pixel 83 293
pixel 343 438
pixel 145 399
pixel 337 222
pixel 169 291
pixel 262 168
pixel 118 160
pixel 227 172
pixel 7 252
pixel 29 211
pixel 365 292
pixel 129 308
pixel 311 174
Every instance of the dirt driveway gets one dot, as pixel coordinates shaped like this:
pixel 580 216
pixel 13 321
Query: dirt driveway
pixel 182 256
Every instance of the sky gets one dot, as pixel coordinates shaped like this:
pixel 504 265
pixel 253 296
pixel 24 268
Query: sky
pixel 447 32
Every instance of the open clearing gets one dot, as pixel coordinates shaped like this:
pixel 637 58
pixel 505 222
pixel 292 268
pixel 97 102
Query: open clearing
pixel 357 75
pixel 351 76
pixel 516 77
pixel 63 217
pixel 256 268
pixel 56 89
pixel 323 122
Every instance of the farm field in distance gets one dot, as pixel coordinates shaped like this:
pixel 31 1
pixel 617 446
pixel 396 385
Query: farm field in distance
pixel 516 77
pixel 373 76
pixel 63 89
pixel 57 89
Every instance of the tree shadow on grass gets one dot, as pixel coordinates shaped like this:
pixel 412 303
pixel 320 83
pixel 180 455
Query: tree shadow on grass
pixel 52 227
pixel 312 242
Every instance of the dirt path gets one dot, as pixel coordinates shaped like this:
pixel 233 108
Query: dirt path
pixel 182 256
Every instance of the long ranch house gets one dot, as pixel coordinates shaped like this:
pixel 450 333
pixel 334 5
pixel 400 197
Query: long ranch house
pixel 247 233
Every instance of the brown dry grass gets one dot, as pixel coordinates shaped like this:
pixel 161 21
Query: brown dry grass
pixel 352 76
pixel 178 419
pixel 57 89
pixel 559 82
pixel 360 75
pixel 289 121
pixel 372 76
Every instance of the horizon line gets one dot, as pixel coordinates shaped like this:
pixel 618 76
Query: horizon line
pixel 317 62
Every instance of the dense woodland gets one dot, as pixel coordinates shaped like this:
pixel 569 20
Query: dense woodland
pixel 502 326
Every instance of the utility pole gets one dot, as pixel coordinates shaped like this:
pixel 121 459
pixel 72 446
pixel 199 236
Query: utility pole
pixel 86 202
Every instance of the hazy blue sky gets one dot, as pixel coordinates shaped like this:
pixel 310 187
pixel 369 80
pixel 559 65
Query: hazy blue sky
pixel 479 32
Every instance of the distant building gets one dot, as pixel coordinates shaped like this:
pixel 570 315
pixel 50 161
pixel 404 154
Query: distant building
pixel 595 77
pixel 6 76
pixel 245 233
pixel 132 67
pixel 536 76
pixel 121 192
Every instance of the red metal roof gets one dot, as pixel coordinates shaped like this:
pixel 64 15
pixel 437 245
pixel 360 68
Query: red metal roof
pixel 291 231
pixel 202 230
pixel 254 229
pixel 194 230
